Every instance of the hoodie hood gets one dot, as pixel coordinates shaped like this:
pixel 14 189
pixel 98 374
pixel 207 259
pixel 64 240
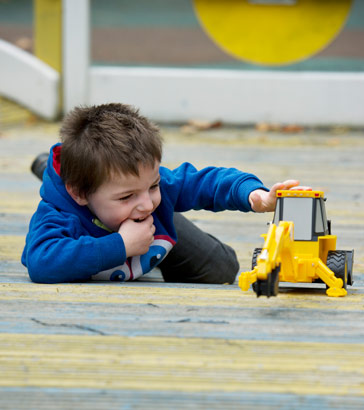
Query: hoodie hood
pixel 53 191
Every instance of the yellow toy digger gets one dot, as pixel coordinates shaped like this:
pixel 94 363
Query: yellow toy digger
pixel 299 247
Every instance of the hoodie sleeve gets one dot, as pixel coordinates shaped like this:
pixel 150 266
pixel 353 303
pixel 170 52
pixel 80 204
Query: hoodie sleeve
pixel 57 251
pixel 211 188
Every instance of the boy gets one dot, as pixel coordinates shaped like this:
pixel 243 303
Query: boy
pixel 108 209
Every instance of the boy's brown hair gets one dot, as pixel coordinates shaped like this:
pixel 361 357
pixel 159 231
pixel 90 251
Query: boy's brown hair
pixel 101 140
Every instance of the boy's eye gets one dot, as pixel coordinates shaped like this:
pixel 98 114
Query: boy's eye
pixel 155 186
pixel 125 198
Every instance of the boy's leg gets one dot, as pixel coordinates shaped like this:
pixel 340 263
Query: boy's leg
pixel 198 257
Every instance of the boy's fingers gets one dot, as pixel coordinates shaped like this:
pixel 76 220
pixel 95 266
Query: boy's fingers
pixel 290 183
pixel 294 184
pixel 150 219
pixel 302 188
pixel 276 187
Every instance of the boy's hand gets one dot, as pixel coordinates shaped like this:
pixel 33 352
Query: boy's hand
pixel 137 236
pixel 263 201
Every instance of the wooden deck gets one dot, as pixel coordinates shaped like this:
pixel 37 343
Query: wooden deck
pixel 153 345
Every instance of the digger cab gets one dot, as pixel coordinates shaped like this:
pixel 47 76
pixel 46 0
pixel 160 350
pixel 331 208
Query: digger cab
pixel 306 209
pixel 299 247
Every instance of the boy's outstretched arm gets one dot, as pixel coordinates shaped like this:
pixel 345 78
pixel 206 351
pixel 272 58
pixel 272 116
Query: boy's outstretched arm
pixel 263 201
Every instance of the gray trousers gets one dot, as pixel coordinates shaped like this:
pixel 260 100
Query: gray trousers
pixel 198 257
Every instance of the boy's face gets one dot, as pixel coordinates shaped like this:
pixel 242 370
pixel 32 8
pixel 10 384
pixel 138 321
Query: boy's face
pixel 126 197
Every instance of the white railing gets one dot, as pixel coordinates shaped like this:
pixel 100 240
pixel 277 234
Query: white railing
pixel 28 81
pixel 236 97
pixel 179 94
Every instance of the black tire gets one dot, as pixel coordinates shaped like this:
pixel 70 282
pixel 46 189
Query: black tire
pixel 270 286
pixel 337 262
pixel 256 252
pixel 350 260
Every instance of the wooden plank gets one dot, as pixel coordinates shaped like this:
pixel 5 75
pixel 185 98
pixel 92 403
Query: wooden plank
pixel 148 344
pixel 11 247
pixel 116 362
pixel 59 398
pixel 157 309
pixel 230 296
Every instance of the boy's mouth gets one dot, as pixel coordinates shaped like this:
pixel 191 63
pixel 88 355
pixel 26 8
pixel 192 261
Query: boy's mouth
pixel 140 219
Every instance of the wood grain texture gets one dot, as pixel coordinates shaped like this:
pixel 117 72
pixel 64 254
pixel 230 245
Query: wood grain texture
pixel 148 344
pixel 204 364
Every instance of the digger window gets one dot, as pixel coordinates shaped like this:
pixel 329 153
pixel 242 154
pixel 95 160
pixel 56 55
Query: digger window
pixel 299 211
pixel 319 224
pixel 277 213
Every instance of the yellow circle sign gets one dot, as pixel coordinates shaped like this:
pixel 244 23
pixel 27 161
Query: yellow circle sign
pixel 272 32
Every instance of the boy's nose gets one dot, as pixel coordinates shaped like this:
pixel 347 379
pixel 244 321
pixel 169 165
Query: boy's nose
pixel 146 203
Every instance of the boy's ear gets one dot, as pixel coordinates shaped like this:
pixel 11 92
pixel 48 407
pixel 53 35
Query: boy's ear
pixel 75 195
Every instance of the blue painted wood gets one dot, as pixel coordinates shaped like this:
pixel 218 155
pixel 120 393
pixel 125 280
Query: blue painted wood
pixel 330 161
pixel 46 398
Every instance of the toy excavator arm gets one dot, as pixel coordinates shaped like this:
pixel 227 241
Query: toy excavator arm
pixel 268 262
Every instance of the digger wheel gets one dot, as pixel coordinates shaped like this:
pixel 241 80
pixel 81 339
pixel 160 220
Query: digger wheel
pixel 256 252
pixel 268 287
pixel 350 259
pixel 338 263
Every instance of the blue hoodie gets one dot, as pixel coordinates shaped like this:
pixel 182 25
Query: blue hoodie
pixel 66 243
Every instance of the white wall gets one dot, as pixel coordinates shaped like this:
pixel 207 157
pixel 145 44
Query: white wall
pixel 28 81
